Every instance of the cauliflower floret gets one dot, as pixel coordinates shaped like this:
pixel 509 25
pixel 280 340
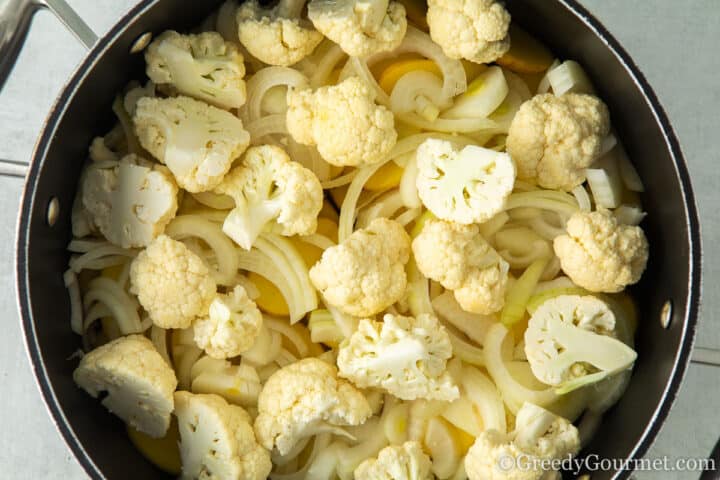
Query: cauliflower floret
pixel 172 283
pixel 202 66
pixel 231 327
pixel 360 27
pixel 277 36
pixel 460 259
pixel 600 255
pixel 138 382
pixel 343 121
pixel 539 435
pixel 270 192
pixel 571 341
pixel 467 186
pixel 217 440
pixel 129 203
pixel 365 274
pixel 305 398
pixel 404 355
pixel 476 30
pixel 554 139
pixel 198 142
pixel 397 462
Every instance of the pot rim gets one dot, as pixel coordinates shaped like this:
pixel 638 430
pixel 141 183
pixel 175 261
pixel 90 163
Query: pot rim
pixel 682 356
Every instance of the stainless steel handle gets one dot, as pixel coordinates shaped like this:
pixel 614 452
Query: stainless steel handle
pixel 8 168
pixel 706 356
pixel 15 19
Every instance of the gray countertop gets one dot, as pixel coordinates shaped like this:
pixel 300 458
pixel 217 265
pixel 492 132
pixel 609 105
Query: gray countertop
pixel 675 43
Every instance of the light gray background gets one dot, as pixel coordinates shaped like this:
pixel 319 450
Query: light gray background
pixel 675 42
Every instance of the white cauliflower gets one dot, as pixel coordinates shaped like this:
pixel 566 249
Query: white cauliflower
pixel 571 341
pixel 460 259
pixel 365 274
pixel 231 327
pixel 277 36
pixel 343 121
pixel 466 186
pixel 271 192
pixel 138 382
pixel 128 201
pixel 539 436
pixel 600 255
pixel 397 462
pixel 202 66
pixel 217 440
pixel 360 27
pixel 198 142
pixel 406 356
pixel 305 398
pixel 172 283
pixel 476 30
pixel 554 139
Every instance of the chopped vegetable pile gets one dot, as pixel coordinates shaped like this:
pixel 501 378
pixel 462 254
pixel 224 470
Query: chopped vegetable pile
pixel 352 239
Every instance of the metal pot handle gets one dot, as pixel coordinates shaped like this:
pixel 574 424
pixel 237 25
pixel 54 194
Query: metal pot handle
pixel 15 19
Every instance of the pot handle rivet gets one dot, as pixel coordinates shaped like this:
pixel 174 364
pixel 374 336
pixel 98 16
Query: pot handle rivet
pixel 666 314
pixel 141 42
pixel 53 211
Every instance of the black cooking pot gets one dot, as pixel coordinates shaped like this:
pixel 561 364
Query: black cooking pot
pixel 665 335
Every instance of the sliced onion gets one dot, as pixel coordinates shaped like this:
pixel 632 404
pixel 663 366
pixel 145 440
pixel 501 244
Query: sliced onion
pixel 267 125
pixel 117 300
pixel 76 308
pixel 159 338
pixel 492 226
pixel 519 293
pixel 408 185
pixel 450 125
pixel 629 215
pixel 295 268
pixel 260 263
pixel 339 181
pixel 358 68
pixel 326 65
pixel 420 92
pixel 483 96
pixel 416 41
pixel 513 393
pixel 384 207
pixel 484 394
pixel 275 101
pixel 473 325
pixel 551 200
pixel 214 200
pixel 582 198
pixel 605 182
pixel 209 232
pixel 408 216
pixel 544 85
pixel 309 158
pixel 89 258
pixel 569 76
pixel 349 205
pixel 630 176
pixel 548 225
pixel 259 84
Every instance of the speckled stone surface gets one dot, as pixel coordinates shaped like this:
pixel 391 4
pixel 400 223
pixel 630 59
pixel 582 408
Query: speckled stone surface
pixel 675 43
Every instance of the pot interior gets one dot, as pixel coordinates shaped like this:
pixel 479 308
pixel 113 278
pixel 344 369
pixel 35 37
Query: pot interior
pixel 98 439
